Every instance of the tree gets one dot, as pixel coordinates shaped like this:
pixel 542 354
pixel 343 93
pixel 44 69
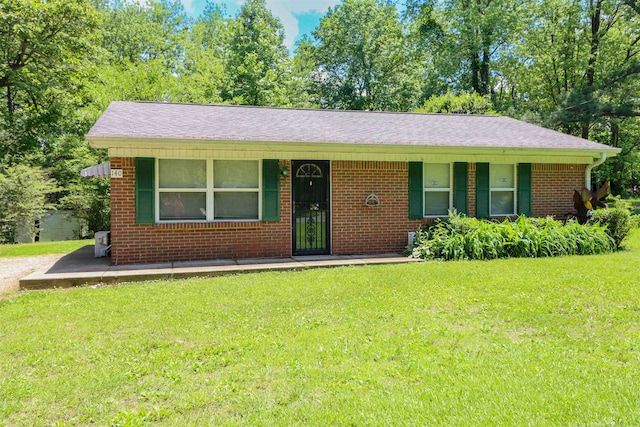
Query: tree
pixel 142 55
pixel 364 60
pixel 464 103
pixel 579 73
pixel 24 192
pixel 88 198
pixel 136 32
pixel 45 46
pixel 611 55
pixel 203 77
pixel 577 56
pixel 467 38
pixel 257 59
pixel 301 92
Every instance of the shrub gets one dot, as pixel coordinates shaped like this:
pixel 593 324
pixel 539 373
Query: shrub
pixel 460 237
pixel 23 199
pixel 463 103
pixel 617 222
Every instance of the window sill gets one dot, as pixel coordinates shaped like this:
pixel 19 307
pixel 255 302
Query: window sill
pixel 212 225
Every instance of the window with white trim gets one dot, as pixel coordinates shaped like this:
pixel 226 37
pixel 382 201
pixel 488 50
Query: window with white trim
pixel 437 189
pixel 236 187
pixel 502 181
pixel 208 190
pixel 182 189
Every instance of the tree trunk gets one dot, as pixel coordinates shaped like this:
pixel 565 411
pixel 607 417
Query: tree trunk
pixel 475 73
pixel 596 37
pixel 484 72
pixel 618 164
pixel 10 105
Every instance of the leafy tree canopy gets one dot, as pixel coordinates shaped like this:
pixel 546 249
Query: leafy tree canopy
pixel 364 59
pixel 43 61
pixel 464 103
pixel 256 58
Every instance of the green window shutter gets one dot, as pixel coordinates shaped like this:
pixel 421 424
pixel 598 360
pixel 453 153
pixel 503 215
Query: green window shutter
pixel 524 189
pixel 460 190
pixel 416 209
pixel 145 190
pixel 270 190
pixel 482 190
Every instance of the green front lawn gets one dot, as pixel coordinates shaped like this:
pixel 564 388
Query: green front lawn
pixel 42 248
pixel 506 342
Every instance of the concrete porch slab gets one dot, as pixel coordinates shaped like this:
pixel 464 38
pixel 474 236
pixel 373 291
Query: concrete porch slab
pixel 82 268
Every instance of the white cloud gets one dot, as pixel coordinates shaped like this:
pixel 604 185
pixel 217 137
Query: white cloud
pixel 285 10
pixel 188 5
pixel 143 3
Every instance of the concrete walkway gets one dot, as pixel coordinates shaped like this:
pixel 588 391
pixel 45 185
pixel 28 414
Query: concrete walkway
pixel 82 268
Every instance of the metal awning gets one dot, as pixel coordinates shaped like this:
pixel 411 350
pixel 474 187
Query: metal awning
pixel 103 170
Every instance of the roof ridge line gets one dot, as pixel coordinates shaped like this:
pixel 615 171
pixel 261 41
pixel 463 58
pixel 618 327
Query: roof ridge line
pixel 271 107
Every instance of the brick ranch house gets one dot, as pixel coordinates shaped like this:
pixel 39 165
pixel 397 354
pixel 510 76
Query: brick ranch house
pixel 194 182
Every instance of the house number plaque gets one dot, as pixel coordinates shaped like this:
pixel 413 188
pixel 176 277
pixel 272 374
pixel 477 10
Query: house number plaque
pixel 116 173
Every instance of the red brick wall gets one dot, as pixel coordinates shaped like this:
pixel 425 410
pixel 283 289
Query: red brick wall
pixel 552 188
pixel 136 243
pixel 472 189
pixel 358 229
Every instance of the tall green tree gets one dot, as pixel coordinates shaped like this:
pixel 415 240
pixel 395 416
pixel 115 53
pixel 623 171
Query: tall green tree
pixel 142 52
pixel 144 31
pixel 611 67
pixel 257 59
pixel 364 60
pixel 468 38
pixel 576 57
pixel 88 198
pixel 203 78
pixel 578 73
pixel 301 90
pixel 44 52
pixel 141 57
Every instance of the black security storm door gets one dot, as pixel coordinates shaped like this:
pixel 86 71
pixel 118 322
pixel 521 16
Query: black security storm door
pixel 310 186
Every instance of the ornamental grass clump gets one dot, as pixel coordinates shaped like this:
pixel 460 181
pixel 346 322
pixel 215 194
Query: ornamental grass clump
pixel 460 237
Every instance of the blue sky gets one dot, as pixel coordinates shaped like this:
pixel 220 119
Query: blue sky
pixel 298 17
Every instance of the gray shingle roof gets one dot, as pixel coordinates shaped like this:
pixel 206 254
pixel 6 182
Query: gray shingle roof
pixel 140 120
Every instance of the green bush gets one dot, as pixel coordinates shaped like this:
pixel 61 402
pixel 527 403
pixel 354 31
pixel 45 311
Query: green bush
pixel 618 222
pixel 24 192
pixel 460 237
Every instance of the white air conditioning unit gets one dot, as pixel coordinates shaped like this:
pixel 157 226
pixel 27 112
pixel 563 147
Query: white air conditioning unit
pixel 103 243
pixel 411 236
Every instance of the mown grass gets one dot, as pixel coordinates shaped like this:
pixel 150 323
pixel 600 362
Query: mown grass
pixel 553 341
pixel 41 248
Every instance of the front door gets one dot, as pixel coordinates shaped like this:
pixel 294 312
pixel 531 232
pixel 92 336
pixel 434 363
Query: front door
pixel 310 188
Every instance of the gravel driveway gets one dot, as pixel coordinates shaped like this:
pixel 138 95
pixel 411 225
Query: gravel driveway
pixel 13 269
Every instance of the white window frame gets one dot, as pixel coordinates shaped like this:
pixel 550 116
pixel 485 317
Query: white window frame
pixel 436 190
pixel 258 190
pixel 515 186
pixel 209 190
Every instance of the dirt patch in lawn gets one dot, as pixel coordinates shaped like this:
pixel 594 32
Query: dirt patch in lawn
pixel 14 269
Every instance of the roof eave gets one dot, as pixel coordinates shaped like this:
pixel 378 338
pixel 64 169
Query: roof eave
pixel 122 141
